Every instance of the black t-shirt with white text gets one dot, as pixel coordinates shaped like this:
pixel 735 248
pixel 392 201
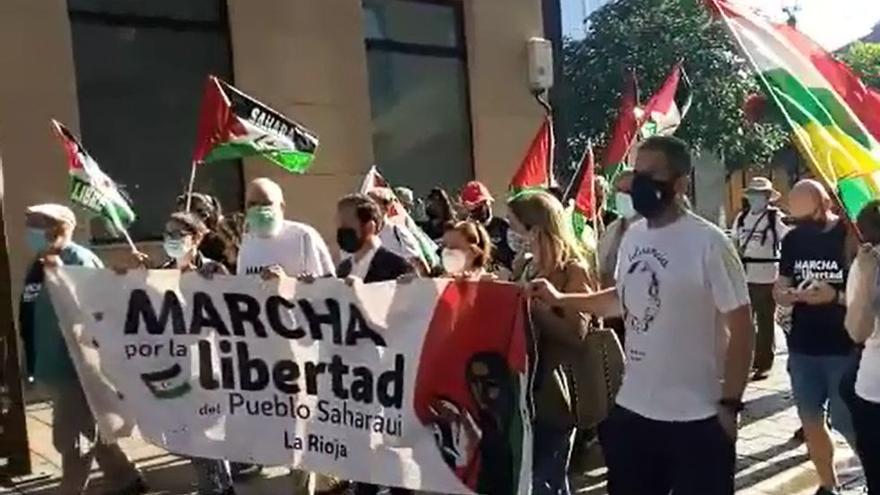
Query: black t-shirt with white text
pixel 810 253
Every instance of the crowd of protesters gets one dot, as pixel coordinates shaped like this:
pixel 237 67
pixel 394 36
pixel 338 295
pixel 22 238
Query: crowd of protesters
pixel 697 310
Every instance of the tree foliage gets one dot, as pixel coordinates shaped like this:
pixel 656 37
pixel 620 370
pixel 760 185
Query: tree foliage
pixel 864 58
pixel 650 36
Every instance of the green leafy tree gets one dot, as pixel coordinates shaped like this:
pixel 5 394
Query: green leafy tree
pixel 864 58
pixel 650 36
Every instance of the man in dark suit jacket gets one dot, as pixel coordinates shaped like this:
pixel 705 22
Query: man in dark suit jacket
pixel 358 219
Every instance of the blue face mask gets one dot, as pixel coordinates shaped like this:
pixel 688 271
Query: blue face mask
pixel 36 239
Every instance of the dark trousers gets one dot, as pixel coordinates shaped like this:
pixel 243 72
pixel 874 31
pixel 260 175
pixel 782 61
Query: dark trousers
pixel 647 457
pixel 764 313
pixel 865 418
pixel 551 455
pixel 368 489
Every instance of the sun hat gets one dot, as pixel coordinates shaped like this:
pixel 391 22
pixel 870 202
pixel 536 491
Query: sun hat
pixel 762 185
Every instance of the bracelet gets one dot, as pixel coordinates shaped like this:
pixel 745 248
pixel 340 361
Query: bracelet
pixel 734 405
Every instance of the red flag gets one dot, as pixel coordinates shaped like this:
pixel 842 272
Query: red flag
pixel 536 168
pixel 585 199
pixel 625 127
pixel 215 119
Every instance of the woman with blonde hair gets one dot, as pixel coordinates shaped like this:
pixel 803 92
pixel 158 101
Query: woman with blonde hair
pixel 539 219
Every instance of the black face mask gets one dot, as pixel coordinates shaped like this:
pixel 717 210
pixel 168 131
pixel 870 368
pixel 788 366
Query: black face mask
pixel 481 213
pixel 348 239
pixel 651 197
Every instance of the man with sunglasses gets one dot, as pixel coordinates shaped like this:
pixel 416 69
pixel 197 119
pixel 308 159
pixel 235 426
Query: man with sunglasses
pixel 682 292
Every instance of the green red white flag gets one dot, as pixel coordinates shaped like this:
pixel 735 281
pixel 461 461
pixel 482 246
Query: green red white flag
pixel 536 169
pixel 233 125
pixel 398 215
pixel 584 195
pixel 666 109
pixel 90 187
pixel 805 87
pixel 863 100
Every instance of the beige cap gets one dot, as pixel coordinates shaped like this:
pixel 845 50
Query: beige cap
pixel 54 211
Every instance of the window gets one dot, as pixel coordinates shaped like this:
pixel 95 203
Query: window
pixel 418 92
pixel 141 67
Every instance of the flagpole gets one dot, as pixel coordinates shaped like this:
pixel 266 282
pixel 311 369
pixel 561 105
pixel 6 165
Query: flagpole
pixel 192 182
pixel 595 208
pixel 130 242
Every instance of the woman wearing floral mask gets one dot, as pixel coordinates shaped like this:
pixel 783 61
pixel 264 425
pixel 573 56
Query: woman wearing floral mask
pixel 467 250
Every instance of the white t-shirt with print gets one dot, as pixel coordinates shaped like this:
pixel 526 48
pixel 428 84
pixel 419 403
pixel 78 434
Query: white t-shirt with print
pixel 674 284
pixel 755 239
pixel 298 248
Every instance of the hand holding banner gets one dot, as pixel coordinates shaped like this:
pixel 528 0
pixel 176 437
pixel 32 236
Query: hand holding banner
pixel 404 385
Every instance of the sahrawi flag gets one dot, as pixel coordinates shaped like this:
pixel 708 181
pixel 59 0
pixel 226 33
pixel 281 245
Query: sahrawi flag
pixel 827 130
pixel 233 125
pixel 536 169
pixel 90 187
pixel 667 108
pixel 583 193
pixel 399 216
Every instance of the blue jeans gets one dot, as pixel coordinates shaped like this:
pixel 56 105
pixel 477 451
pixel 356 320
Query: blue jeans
pixel 815 382
pixel 551 453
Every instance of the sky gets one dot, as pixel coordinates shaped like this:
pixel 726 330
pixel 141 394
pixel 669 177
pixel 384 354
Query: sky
pixel 832 23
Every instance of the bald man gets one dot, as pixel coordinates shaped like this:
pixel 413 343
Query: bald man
pixel 273 246
pixel 812 280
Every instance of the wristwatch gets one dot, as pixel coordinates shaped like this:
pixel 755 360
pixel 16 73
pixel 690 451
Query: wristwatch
pixel 733 405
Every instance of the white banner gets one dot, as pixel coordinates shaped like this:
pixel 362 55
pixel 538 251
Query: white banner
pixel 421 385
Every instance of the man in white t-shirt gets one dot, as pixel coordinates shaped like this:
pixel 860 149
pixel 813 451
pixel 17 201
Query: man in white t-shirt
pixel 758 234
pixel 682 292
pixel 273 246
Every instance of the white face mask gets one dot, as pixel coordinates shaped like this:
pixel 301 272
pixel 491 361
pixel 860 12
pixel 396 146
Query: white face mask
pixel 177 248
pixel 757 202
pixel 623 203
pixel 454 261
pixel 515 241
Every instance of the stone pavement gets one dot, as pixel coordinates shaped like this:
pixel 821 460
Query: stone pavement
pixel 768 463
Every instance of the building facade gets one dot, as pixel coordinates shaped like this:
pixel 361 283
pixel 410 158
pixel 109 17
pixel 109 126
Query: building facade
pixel 434 92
